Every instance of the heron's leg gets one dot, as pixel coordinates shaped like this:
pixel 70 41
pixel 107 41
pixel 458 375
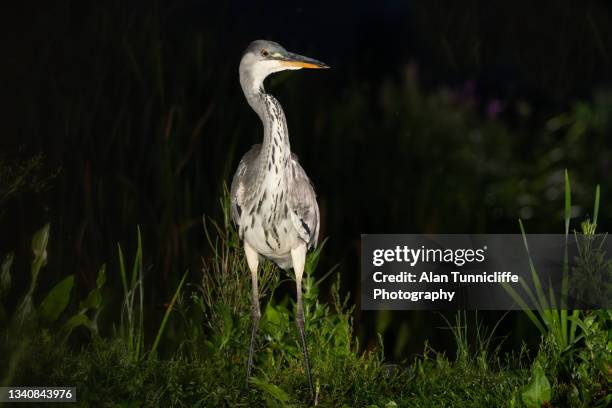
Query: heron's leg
pixel 298 256
pixel 252 260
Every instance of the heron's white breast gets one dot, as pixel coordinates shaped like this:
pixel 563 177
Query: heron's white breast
pixel 268 227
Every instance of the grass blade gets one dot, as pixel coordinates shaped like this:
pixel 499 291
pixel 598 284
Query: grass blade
pixel 596 205
pixel 534 275
pixel 565 278
pixel 122 270
pixel 162 326
pixel 526 309
pixel 568 203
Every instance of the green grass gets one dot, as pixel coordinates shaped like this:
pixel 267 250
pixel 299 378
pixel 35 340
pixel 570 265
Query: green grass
pixel 552 314
pixel 198 355
pixel 567 334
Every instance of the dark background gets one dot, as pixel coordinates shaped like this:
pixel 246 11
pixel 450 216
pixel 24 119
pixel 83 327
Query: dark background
pixel 436 117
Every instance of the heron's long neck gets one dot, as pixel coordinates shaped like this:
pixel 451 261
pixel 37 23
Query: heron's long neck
pixel 275 150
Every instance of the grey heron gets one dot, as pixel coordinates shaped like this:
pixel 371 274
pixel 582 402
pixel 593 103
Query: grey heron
pixel 273 202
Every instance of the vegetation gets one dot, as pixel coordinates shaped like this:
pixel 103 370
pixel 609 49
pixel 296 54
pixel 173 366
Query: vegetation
pixel 207 333
pixel 567 333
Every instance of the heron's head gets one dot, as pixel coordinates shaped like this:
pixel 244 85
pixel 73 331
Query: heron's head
pixel 262 58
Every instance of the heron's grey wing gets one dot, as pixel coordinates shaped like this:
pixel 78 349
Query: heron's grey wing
pixel 243 178
pixel 303 204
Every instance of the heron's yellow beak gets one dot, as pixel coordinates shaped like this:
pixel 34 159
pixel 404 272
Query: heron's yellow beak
pixel 299 61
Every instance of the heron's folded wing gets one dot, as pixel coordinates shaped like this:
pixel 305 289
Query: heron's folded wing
pixel 243 178
pixel 303 204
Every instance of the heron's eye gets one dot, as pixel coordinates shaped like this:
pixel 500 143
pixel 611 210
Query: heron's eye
pixel 265 53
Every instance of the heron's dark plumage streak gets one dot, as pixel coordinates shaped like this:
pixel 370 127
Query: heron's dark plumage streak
pixel 273 202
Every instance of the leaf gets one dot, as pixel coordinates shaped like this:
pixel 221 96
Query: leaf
pixel 76 321
pixel 383 321
pixel 596 205
pixel 313 258
pixel 538 392
pixel 93 300
pixel 122 270
pixel 39 241
pixel 568 203
pixel 101 279
pixel 228 327
pixel 5 274
pixel 167 315
pixel 272 315
pixel 137 268
pixel 56 300
pixel 39 248
pixel 271 390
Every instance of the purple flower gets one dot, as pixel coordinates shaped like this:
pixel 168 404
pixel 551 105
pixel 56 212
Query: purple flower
pixel 494 108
